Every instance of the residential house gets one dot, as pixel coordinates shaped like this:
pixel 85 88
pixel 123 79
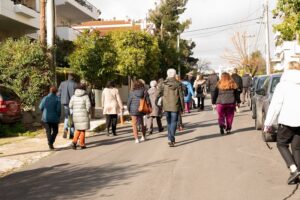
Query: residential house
pixel 18 18
pixel 73 12
pixel 106 26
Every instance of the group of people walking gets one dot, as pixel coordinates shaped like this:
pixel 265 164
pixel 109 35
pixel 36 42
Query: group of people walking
pixel 77 107
pixel 175 97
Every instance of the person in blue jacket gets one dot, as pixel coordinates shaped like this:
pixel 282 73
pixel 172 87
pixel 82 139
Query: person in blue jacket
pixel 188 93
pixel 51 109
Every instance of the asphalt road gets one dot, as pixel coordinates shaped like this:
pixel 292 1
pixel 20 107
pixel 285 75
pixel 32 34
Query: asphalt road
pixel 203 166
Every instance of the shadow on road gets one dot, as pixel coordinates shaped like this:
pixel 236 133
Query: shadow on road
pixel 197 139
pixel 67 181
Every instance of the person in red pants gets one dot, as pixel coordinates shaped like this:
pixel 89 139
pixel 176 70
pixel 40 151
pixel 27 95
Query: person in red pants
pixel 226 97
pixel 80 105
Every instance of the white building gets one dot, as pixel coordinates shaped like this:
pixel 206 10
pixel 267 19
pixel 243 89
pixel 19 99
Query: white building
pixel 73 12
pixel 286 52
pixel 22 17
pixel 18 18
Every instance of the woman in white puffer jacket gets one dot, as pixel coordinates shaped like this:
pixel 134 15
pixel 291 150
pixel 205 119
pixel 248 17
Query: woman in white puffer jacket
pixel 285 110
pixel 80 105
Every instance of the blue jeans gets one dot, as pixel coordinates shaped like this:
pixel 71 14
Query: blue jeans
pixel 172 119
pixel 66 126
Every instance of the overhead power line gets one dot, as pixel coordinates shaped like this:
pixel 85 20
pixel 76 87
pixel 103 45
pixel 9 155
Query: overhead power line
pixel 224 25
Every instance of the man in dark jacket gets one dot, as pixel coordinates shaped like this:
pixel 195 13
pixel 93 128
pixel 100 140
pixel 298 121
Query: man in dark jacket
pixel 239 82
pixel 173 103
pixel 66 91
pixel 212 82
pixel 247 81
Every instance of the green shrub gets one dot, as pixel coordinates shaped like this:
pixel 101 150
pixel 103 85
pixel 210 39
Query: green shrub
pixel 13 130
pixel 24 69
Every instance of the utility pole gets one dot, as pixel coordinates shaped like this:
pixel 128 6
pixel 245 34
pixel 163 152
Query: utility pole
pixel 178 51
pixel 268 59
pixel 43 23
pixel 50 14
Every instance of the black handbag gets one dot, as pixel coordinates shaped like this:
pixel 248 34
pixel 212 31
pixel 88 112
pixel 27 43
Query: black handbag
pixel 269 136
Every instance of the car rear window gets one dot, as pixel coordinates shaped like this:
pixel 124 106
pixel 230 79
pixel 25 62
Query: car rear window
pixel 260 82
pixel 275 81
pixel 7 94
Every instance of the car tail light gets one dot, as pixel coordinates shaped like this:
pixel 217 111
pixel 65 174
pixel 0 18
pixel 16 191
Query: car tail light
pixel 3 107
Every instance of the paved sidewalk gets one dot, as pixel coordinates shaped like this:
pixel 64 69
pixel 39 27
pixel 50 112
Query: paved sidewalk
pixel 25 151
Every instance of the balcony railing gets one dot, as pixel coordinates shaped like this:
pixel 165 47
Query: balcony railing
pixel 88 5
pixel 24 3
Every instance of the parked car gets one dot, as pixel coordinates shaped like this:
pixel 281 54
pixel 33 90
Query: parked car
pixel 265 93
pixel 257 84
pixel 10 106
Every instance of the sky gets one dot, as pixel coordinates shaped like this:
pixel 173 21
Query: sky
pixel 211 43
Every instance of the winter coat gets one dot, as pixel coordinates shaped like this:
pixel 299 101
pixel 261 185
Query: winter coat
pixel 247 80
pixel 111 101
pixel 226 96
pixel 171 92
pixel 134 101
pixel 66 91
pixel 200 83
pixel 285 104
pixel 238 80
pixel 153 95
pixel 80 105
pixel 51 108
pixel 188 85
pixel 212 82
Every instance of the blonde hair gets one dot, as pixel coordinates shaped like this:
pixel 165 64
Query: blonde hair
pixel 294 65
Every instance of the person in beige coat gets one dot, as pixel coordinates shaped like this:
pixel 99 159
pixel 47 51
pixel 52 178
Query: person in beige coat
pixel 80 106
pixel 112 106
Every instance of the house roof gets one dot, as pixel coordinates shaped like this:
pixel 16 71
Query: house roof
pixel 105 27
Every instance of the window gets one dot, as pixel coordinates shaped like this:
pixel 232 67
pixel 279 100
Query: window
pixel 275 81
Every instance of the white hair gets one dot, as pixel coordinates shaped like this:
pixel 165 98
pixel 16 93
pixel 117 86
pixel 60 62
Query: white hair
pixel 153 84
pixel 171 73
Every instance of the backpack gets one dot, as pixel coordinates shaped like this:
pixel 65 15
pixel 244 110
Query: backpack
pixel 199 89
pixel 185 90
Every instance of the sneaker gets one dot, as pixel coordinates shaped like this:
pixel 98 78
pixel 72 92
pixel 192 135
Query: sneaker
pixel 73 146
pixel 137 141
pixel 222 130
pixel 51 147
pixel 142 139
pixel 65 133
pixel 83 147
pixel 228 131
pixel 161 130
pixel 171 144
pixel 293 177
pixel 71 137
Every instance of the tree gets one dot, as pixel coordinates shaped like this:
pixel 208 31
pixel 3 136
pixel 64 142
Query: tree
pixel 43 24
pixel 239 56
pixel 289 12
pixel 24 68
pixel 63 50
pixel 137 54
pixel 94 58
pixel 202 65
pixel 166 16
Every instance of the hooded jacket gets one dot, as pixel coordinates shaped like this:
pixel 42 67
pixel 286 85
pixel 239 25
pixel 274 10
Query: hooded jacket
pixel 80 105
pixel 285 104
pixel 189 87
pixel 173 97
